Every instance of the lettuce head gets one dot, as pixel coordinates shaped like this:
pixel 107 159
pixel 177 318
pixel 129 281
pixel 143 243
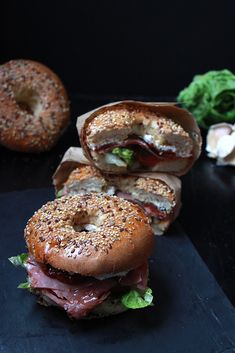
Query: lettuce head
pixel 210 97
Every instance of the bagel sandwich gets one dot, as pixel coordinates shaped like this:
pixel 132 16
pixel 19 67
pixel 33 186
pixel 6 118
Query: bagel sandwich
pixel 158 194
pixel 87 255
pixel 132 136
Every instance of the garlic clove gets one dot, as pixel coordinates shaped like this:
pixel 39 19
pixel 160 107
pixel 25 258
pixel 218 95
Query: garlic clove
pixel 225 146
pixel 229 160
pixel 215 133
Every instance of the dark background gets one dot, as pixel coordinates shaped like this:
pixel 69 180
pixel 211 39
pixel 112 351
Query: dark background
pixel 107 50
pixel 132 47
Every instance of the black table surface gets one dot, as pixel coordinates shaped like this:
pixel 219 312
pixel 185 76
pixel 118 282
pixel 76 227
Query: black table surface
pixel 208 195
pixel 191 314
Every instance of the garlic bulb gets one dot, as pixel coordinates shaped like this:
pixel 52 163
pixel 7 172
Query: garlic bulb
pixel 221 143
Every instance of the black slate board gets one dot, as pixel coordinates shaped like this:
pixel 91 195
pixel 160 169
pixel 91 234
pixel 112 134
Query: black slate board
pixel 191 313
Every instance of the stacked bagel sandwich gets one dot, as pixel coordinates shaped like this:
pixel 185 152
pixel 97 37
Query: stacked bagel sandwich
pixel 88 249
pixel 136 151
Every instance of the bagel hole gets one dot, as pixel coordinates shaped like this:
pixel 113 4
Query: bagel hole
pixel 87 227
pixel 85 223
pixel 28 101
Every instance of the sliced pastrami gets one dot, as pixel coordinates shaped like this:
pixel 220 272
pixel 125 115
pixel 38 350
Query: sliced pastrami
pixel 145 153
pixel 81 294
pixel 149 208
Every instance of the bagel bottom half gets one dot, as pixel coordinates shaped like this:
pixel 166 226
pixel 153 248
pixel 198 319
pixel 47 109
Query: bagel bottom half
pixel 88 255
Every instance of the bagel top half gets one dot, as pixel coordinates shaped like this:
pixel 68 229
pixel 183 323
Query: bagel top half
pixel 159 137
pixel 90 234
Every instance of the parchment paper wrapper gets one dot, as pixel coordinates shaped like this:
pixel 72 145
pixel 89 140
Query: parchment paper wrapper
pixel 71 160
pixel 74 157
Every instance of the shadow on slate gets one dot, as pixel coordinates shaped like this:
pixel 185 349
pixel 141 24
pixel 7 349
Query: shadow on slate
pixel 191 313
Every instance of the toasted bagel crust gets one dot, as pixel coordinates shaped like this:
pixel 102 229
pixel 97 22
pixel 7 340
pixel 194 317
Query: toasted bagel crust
pixel 34 107
pixel 83 173
pixel 122 240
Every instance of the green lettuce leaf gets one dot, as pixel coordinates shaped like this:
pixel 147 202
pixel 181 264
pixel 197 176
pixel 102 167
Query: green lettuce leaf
pixel 136 300
pixel 125 154
pixel 59 194
pixel 210 97
pixel 25 285
pixel 19 260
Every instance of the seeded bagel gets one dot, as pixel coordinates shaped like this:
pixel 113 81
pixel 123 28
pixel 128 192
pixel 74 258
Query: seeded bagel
pixel 34 107
pixel 90 235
